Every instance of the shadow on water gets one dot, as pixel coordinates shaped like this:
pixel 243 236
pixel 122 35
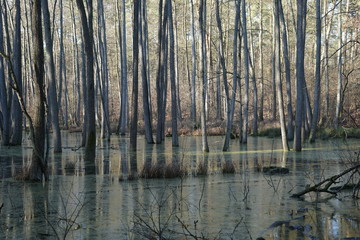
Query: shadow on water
pixel 226 195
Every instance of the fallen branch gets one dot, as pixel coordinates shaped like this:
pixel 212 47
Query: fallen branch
pixel 328 182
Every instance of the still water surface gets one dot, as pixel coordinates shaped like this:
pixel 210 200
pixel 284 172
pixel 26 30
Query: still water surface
pixel 98 201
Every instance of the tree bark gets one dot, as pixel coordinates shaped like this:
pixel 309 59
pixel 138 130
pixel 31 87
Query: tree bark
pixel 174 107
pixel 339 72
pixel 51 76
pixel 134 95
pixel 87 27
pixel 300 72
pixel 203 72
pixel 123 122
pixel 246 75
pixel 231 104
pixel 316 113
pixel 290 115
pixel 4 105
pixel 16 114
pixel 104 73
pixel 145 76
pixel 193 60
pixel 261 65
pixel 278 74
pixel 38 165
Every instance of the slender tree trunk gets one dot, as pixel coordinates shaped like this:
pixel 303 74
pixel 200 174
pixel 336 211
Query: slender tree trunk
pixel 273 86
pixel 290 116
pixel 87 27
pixel 174 107
pixel 231 104
pixel 16 114
pixel 203 72
pixel 193 60
pixel 134 100
pixel 278 74
pixel 104 84
pixel 77 76
pixel 38 165
pixel 261 65
pixel 253 81
pixel 246 74
pixel 4 105
pixel 300 72
pixel 51 76
pixel 316 113
pixel 161 82
pixel 339 72
pixel 145 76
pixel 123 122
pixel 84 90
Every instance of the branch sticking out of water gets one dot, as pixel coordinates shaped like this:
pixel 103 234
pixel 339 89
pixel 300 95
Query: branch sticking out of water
pixel 324 186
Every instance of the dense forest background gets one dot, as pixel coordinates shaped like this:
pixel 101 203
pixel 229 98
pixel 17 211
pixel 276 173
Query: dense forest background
pixel 177 66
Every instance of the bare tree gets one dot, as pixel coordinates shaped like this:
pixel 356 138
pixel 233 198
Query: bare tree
pixel 339 72
pixel 290 115
pixel 316 113
pixel 145 75
pixel 300 71
pixel 104 72
pixel 123 121
pixel 4 106
pixel 135 88
pixel 193 73
pixel 246 75
pixel 38 165
pixel 231 104
pixel 16 114
pixel 278 74
pixel 87 30
pixel 174 101
pixel 203 72
pixel 51 76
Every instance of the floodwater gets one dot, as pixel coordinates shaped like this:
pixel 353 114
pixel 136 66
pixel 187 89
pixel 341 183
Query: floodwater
pixel 106 200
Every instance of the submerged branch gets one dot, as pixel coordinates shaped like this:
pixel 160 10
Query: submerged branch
pixel 328 183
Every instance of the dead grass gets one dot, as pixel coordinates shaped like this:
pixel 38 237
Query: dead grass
pixel 162 170
pixel 228 167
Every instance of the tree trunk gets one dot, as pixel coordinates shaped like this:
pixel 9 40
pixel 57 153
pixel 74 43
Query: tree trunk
pixel 50 67
pixel 87 27
pixel 300 72
pixel 316 113
pixel 174 107
pixel 104 76
pixel 261 65
pixel 231 104
pixel 145 76
pixel 123 122
pixel 134 100
pixel 278 74
pixel 203 72
pixel 339 72
pixel 38 165
pixel 290 116
pixel 193 59
pixel 4 105
pixel 16 114
pixel 162 72
pixel 246 75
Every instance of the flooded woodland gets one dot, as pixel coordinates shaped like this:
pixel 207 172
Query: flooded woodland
pixel 218 195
